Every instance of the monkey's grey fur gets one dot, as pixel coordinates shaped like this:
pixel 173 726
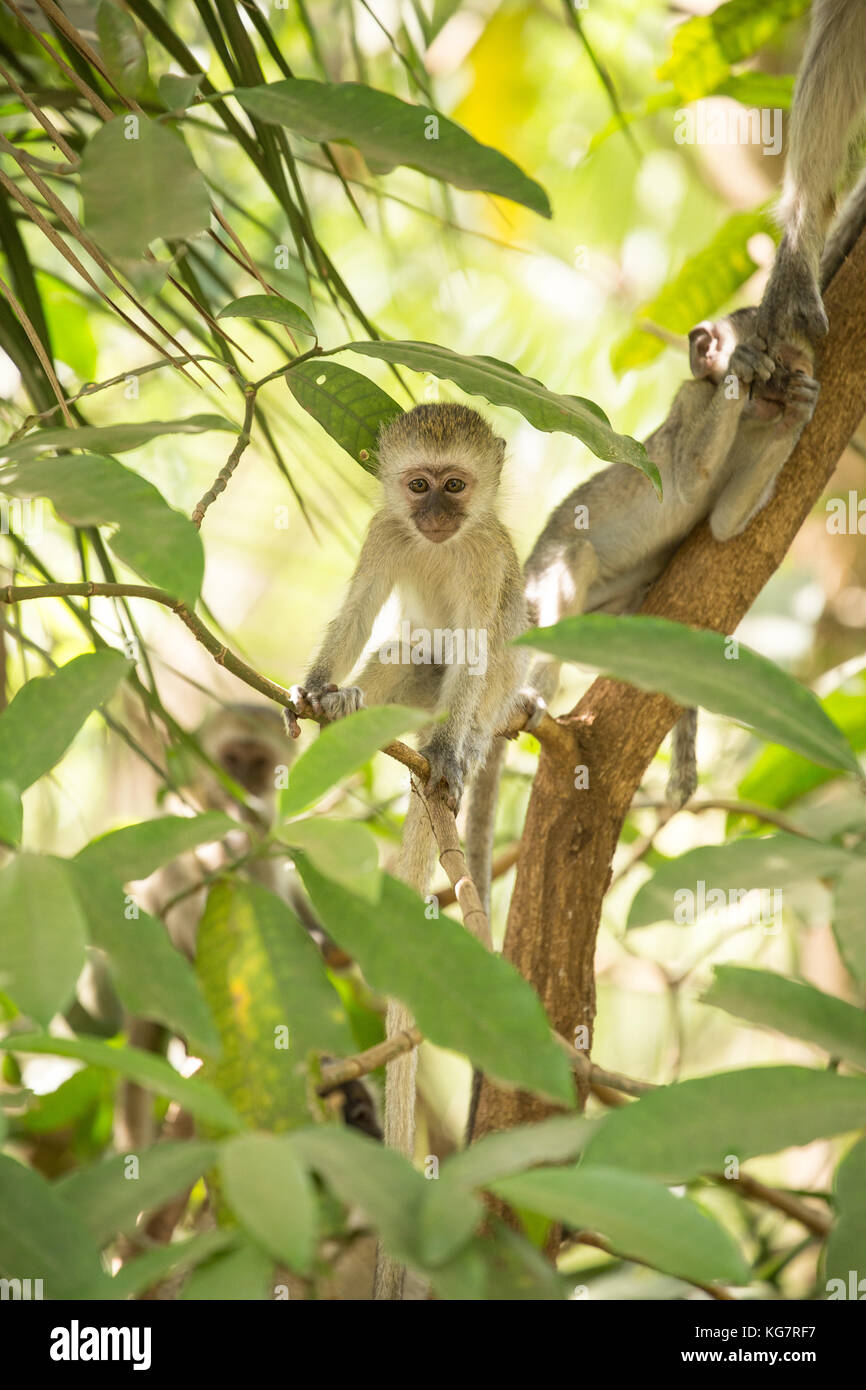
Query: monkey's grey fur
pixel 826 121
pixel 452 563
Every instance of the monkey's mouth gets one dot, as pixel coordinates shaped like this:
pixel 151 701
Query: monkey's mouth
pixel 438 534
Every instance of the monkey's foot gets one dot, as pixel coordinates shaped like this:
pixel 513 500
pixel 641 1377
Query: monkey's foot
pixel 801 397
pixel 534 706
pixel 328 701
pixel 792 308
pixel 445 768
pixel 751 362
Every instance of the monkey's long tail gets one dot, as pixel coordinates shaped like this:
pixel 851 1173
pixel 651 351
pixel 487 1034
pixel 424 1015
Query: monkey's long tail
pixel 683 776
pixel 415 867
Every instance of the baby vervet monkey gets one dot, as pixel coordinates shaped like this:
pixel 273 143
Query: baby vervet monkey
pixel 437 540
pixel 826 116
pixel 719 453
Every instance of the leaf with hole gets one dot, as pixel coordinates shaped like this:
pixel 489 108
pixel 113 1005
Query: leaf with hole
pixel 350 407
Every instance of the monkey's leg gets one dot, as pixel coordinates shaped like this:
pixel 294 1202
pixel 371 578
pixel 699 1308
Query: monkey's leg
pixel 829 95
pixel 753 484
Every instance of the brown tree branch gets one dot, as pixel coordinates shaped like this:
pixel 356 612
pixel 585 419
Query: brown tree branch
pixel 570 835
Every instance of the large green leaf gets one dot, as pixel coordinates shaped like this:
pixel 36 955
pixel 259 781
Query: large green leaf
pixel 450 1213
pixel 123 52
pixel 42 1236
pixel 152 978
pixel 350 407
pixel 108 439
pixel 261 975
pixel 846 1246
pixel 109 1200
pixel 136 851
pixel 703 49
pixel 138 183
pixel 694 667
pixel 243 1273
pixel 47 712
pixel 792 1007
pixel 341 748
pixel 152 1266
pixel 344 850
pixel 639 1217
pixel 390 132
pixel 769 862
pixel 462 996
pixel 363 1173
pixel 156 541
pixel 704 283
pixel 502 384
pixel 272 307
pixel 677 1132
pixel 152 1072
pixel 778 777
pixel 11 813
pixel 43 936
pixel 849 917
pixel 267 1187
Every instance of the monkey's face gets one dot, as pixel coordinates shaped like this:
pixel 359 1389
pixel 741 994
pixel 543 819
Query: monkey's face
pixel 437 500
pixel 250 762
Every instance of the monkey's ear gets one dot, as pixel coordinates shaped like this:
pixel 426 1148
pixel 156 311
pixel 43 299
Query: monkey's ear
pixel 703 344
pixel 500 447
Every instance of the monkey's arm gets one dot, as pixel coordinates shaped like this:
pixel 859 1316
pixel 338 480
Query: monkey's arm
pixel 765 448
pixel 347 633
pixel 699 433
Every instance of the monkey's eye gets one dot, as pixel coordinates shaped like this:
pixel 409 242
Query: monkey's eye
pixel 419 485
pixel 455 485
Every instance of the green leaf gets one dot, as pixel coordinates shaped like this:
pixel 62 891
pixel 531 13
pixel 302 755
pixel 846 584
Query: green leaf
pixel 11 813
pixel 271 307
pixel 42 944
pixel 152 978
pixel 122 50
pixel 778 777
pixel 678 1132
pixel 136 851
pixel 849 918
pixel 758 89
pixel 363 1173
pixel 243 1273
pixel 390 132
pixel 714 876
pixel 154 1265
pixel 139 183
pixel 705 282
pixel 341 748
pixel 47 712
pixel 792 1007
pixel 344 850
pixel 177 92
pixel 262 974
pixel 703 49
pixel 693 667
pixel 846 1245
pixel 463 997
pixel 267 1187
pixel 350 407
pixel 639 1217
pixel 109 1200
pixel 108 439
pixel 149 1071
pixel 152 538
pixel 501 384
pixel 42 1236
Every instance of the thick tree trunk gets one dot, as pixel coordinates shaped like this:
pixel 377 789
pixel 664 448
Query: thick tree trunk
pixel 570 835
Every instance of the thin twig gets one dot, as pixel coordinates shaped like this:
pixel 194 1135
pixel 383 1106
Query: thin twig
pixel 598 1243
pixel 221 481
pixel 36 343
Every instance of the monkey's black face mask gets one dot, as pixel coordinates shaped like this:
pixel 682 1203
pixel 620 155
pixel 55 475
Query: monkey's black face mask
pixel 437 506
